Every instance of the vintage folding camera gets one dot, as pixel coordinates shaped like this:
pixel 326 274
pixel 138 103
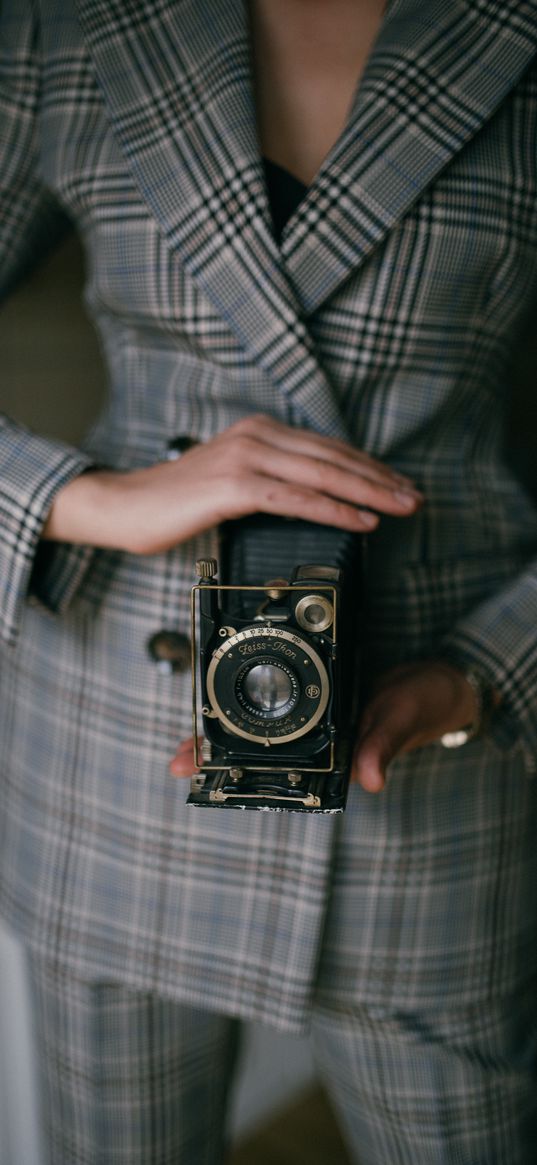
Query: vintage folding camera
pixel 277 667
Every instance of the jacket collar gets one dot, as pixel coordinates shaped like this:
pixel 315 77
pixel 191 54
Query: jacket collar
pixel 437 73
pixel 176 77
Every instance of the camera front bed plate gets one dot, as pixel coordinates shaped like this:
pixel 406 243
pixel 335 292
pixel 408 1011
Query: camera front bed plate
pixel 261 792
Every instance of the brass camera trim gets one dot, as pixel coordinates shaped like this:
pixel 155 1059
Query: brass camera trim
pixel 219 796
pixel 268 633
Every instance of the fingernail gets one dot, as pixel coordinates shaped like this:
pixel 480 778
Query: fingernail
pixel 406 498
pixel 369 521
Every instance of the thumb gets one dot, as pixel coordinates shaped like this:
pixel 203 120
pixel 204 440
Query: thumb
pixel 377 746
pixel 371 759
pixel 182 764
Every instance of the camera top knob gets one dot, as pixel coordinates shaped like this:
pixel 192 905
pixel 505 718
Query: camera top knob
pixel 206 567
pixel 275 588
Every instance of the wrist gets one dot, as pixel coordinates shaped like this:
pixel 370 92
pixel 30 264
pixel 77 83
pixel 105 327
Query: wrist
pixel 85 511
pixel 484 701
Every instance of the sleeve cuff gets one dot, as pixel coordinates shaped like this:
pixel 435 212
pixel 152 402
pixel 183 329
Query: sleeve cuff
pixel 32 471
pixel 499 640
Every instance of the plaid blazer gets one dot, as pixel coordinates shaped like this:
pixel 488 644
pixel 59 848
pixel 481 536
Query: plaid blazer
pixel 389 314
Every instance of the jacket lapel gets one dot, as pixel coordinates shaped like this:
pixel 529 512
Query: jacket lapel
pixel 176 78
pixel 438 71
pixel 177 81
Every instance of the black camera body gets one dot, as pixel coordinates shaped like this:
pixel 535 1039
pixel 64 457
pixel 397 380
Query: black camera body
pixel 277 668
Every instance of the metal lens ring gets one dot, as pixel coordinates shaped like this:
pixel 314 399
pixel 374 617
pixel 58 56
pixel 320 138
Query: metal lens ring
pixel 267 688
pixel 267 684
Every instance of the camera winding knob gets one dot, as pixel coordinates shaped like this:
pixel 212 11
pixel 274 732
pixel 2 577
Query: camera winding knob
pixel 206 567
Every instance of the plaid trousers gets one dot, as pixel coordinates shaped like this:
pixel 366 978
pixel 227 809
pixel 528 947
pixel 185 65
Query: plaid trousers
pixel 127 1077
pixel 131 1078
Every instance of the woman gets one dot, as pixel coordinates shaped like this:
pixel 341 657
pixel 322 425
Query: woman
pixel 349 365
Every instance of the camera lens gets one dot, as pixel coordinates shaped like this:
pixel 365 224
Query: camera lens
pixel 267 687
pixel 278 693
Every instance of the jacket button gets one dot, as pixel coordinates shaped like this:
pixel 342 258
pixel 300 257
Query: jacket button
pixel 170 650
pixel 179 445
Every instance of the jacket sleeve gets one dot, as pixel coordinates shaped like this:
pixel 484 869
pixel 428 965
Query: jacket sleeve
pixel 32 469
pixel 499 638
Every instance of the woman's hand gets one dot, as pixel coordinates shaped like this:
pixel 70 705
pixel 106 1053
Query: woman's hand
pixel 412 705
pixel 258 465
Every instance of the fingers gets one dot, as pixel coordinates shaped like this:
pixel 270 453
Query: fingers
pixel 316 472
pixel 392 723
pixel 291 501
pixel 182 764
pixel 345 481
pixel 413 706
pixel 308 443
pixel 258 465
pixel 378 745
pixel 369 767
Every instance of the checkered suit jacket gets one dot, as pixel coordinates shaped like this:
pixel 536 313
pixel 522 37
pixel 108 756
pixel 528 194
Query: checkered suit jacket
pixel 389 314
